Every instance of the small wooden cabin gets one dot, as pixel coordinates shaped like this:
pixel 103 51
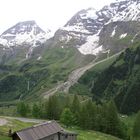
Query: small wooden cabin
pixel 46 131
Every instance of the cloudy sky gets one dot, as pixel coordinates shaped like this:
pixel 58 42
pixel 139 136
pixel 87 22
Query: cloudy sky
pixel 50 14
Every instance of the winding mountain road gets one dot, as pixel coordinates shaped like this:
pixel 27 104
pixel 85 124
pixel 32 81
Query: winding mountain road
pixel 23 119
pixel 73 78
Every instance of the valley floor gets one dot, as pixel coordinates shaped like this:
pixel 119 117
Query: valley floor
pixel 20 123
pixel 74 77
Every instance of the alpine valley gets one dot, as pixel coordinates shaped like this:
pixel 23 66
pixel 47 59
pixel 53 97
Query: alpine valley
pixel 96 54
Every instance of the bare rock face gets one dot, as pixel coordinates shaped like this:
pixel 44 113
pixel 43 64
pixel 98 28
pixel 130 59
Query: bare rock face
pixel 27 32
pixel 21 39
pixel 94 32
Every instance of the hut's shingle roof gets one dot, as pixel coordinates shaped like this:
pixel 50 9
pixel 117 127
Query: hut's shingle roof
pixel 39 131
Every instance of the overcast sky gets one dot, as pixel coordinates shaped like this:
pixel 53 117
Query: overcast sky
pixel 50 14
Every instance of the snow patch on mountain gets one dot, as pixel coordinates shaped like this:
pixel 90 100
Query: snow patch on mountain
pixel 3 42
pixel 76 28
pixel 66 38
pixel 114 31
pixel 90 13
pixel 134 37
pixel 29 53
pixel 91 45
pixel 123 36
pixel 39 57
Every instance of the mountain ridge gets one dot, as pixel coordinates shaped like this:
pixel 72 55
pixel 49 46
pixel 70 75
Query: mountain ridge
pixel 60 55
pixel 87 26
pixel 24 32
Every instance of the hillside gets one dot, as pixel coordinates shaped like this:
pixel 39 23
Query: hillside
pixel 35 76
pixel 82 134
pixel 32 62
pixel 119 80
pixel 86 81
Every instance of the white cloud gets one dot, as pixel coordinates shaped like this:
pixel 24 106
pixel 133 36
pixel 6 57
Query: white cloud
pixel 48 13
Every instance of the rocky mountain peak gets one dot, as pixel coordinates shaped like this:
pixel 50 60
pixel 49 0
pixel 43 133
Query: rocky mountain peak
pixel 88 26
pixel 27 32
pixel 24 27
pixel 127 10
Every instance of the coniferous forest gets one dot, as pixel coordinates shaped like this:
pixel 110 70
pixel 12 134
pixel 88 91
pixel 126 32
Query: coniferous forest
pixel 86 115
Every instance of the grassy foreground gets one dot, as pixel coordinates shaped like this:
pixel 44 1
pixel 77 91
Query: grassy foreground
pixel 4 138
pixel 12 124
pixel 82 134
pixel 92 135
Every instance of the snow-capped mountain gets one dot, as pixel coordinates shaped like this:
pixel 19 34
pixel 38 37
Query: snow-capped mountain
pixel 105 31
pixel 22 33
pixel 19 41
pixel 128 10
pixel 87 28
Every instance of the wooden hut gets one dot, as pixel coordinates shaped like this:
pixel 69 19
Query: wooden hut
pixel 46 131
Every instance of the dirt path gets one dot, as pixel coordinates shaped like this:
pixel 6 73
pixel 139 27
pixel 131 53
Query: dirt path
pixel 25 119
pixel 3 121
pixel 73 78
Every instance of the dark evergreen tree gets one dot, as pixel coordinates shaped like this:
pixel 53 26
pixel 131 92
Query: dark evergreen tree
pixel 136 128
pixel 22 109
pixel 98 118
pixel 53 108
pixel 90 113
pixel 75 106
pixel 83 118
pixel 113 125
pixel 103 117
pixel 67 102
pixel 67 117
pixel 44 108
pixel 36 111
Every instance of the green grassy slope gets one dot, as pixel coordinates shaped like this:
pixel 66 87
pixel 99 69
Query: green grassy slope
pixel 121 81
pixel 118 78
pixel 82 134
pixel 92 135
pixel 32 77
pixel 4 138
pixel 85 83
pixel 14 125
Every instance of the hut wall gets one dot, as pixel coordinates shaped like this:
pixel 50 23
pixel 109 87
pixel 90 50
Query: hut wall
pixel 52 137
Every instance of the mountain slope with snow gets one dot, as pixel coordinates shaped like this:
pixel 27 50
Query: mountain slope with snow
pixel 88 36
pixel 27 32
pixel 88 30
pixel 19 41
pixel 87 27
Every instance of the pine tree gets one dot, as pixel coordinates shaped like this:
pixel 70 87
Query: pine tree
pixel 113 125
pixel 103 117
pixel 44 107
pixel 67 102
pixel 53 108
pixel 83 118
pixel 67 117
pixel 36 111
pixel 75 106
pixel 136 128
pixel 90 113
pixel 98 118
pixel 22 109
